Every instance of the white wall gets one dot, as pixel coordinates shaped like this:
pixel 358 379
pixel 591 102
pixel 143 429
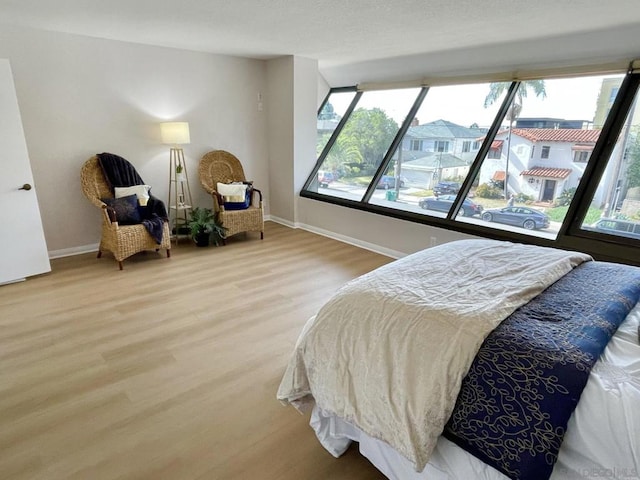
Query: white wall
pixel 280 83
pixel 305 115
pixel 79 96
pixel 390 236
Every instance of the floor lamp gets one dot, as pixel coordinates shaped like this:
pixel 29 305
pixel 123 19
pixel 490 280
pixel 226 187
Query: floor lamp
pixel 180 203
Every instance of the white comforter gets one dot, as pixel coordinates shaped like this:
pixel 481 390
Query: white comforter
pixel 389 351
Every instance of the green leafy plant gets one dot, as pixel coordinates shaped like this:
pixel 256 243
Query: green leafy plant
pixel 204 221
pixel 565 197
pixel 487 191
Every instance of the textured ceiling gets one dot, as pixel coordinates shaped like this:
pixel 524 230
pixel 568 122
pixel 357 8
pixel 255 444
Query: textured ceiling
pixel 338 33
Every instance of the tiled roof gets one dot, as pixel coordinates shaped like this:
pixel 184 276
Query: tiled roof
pixel 496 144
pixel 572 135
pixel 442 129
pixel 582 148
pixel 548 172
pixel 499 175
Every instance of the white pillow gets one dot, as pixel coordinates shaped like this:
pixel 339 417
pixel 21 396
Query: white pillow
pixel 232 192
pixel 142 191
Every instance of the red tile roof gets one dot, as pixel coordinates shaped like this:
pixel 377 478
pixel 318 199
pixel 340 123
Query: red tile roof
pixel 572 135
pixel 496 144
pixel 582 148
pixel 547 172
pixel 499 176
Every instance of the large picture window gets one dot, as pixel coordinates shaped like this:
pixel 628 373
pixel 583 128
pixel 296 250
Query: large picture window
pixel 498 159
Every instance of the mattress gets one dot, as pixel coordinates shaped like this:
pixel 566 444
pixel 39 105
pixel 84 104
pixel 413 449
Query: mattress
pixel 602 439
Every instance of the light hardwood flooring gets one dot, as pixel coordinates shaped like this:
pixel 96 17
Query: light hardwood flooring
pixel 169 368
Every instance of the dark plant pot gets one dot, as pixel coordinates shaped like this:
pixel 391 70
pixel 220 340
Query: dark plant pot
pixel 201 239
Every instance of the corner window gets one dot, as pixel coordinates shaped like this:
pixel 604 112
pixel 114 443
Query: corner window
pixel 463 157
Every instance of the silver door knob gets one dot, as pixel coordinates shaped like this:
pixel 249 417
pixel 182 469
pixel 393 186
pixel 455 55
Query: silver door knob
pixel 26 186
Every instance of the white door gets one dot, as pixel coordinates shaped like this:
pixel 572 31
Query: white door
pixel 23 250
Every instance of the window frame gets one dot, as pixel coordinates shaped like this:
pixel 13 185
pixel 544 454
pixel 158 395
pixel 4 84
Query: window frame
pixel 545 152
pixel 571 236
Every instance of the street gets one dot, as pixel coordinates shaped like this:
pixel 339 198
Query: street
pixel 408 202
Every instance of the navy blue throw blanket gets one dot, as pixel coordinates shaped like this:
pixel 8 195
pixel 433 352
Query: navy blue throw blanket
pixel 527 378
pixel 120 173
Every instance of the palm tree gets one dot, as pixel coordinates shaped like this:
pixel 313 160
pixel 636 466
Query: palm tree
pixel 496 90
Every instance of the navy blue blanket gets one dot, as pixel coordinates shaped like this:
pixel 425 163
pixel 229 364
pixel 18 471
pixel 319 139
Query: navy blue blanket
pixel 527 378
pixel 119 172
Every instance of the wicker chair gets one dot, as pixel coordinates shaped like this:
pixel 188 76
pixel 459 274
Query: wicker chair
pixel 219 166
pixel 121 240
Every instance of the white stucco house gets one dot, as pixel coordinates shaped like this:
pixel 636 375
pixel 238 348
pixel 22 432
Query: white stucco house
pixel 541 162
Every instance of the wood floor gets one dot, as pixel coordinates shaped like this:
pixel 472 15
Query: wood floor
pixel 168 369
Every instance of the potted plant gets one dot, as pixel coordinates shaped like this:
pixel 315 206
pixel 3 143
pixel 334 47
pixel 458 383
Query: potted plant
pixel 205 227
pixel 180 176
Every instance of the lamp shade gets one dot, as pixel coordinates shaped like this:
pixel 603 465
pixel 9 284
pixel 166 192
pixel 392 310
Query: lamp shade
pixel 175 133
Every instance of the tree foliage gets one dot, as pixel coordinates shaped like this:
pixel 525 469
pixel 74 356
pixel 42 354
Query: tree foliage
pixel 633 171
pixel 497 89
pixel 362 143
pixel 369 132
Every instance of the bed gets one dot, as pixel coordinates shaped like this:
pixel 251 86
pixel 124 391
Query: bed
pixel 467 360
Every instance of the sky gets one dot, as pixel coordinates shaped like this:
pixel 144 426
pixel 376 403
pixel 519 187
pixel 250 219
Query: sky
pixel 569 99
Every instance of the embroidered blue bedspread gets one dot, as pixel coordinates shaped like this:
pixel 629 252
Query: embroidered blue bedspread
pixel 527 378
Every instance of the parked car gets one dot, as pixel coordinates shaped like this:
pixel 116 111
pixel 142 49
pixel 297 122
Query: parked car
pixel 524 217
pixel 614 226
pixel 325 178
pixel 388 181
pixel 446 187
pixel 443 203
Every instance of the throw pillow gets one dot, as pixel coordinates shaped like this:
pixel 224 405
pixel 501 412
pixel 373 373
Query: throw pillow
pixel 236 196
pixel 142 191
pixel 125 208
pixel 232 192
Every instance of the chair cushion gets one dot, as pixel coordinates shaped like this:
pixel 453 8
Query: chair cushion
pixel 142 191
pixel 125 208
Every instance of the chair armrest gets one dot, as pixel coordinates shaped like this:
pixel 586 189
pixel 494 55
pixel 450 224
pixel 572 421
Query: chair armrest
pixel 218 201
pixel 260 196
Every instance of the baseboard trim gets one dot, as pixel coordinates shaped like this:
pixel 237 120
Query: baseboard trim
pixel 68 252
pixel 341 238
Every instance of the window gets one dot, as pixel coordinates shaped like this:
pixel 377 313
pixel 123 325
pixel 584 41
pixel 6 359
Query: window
pixel 416 145
pixel 330 115
pixel 614 94
pixel 464 166
pixel 351 161
pixel 441 146
pixel 581 157
pixel 444 125
pixel 495 151
pixel 545 151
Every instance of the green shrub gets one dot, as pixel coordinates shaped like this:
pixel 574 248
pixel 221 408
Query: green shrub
pixel 524 198
pixel 565 197
pixel 487 191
